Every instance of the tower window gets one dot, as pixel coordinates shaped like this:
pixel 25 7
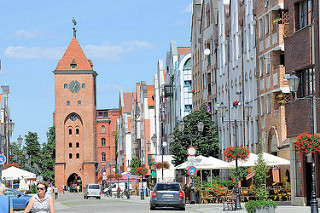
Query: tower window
pixel 70 145
pixel 79 102
pixel 77 144
pixel 70 155
pixel 103 156
pixel 83 86
pixel 103 142
pixel 70 131
pixel 68 103
pixel 65 86
pixel 77 155
pixel 103 128
pixel 77 131
pixel 73 66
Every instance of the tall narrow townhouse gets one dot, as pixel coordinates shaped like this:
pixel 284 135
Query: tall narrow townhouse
pixel 273 89
pixel 302 56
pixel 208 56
pixel 124 130
pixel 196 55
pixel 236 80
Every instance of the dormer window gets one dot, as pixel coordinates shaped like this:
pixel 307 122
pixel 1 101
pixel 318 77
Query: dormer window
pixel 73 64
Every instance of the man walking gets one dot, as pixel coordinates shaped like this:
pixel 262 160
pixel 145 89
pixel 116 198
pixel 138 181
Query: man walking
pixel 5 202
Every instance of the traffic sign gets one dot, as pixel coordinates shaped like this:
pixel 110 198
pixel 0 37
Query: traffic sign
pixel 191 151
pixel 153 174
pixel 191 161
pixel 128 169
pixel 128 175
pixel 2 159
pixel 192 171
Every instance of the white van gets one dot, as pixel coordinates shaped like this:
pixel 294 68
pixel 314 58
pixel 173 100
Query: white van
pixel 92 190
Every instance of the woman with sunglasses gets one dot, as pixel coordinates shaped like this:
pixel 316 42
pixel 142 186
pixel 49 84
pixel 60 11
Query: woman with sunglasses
pixel 41 202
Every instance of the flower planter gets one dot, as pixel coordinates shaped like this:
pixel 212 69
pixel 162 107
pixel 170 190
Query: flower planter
pixel 266 210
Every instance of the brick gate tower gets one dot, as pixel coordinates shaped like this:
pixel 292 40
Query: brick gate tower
pixel 75 118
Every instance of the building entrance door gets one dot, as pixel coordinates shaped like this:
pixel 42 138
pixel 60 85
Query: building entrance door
pixel 75 183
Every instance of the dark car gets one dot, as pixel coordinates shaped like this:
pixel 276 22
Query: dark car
pixel 167 194
pixel 19 200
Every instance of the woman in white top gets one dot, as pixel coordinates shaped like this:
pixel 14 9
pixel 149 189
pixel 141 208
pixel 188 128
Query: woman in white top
pixel 41 202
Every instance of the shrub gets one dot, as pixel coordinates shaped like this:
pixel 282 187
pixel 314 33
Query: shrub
pixel 252 205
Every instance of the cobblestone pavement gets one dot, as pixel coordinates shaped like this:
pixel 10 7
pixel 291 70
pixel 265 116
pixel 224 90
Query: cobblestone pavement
pixel 76 203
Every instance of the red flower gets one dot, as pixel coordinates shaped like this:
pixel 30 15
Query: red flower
pixel 192 91
pixel 236 103
pixel 233 153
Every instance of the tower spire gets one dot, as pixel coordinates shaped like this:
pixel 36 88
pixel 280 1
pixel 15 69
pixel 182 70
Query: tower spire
pixel 74 27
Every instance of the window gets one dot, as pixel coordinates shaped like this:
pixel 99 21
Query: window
pixel 70 145
pixel 262 107
pixel 305 13
pixel 70 131
pixel 65 86
pixel 70 155
pixel 77 155
pixel 68 103
pixel 103 128
pixel 268 67
pixel 307 82
pixel 261 65
pixel 103 156
pixel 260 28
pixel 77 145
pixel 73 66
pixel 83 86
pixel 79 102
pixel 266 24
pixel 77 131
pixel 103 142
pixel 105 114
pixel 269 103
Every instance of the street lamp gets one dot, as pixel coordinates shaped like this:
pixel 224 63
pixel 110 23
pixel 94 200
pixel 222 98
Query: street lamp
pixel 222 111
pixel 293 81
pixel 154 141
pixel 20 140
pixel 200 126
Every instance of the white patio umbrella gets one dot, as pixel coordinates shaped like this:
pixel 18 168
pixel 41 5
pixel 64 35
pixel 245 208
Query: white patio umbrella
pixel 271 160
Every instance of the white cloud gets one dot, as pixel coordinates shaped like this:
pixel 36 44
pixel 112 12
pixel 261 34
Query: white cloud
pixel 107 51
pixel 33 52
pixel 188 9
pixel 27 34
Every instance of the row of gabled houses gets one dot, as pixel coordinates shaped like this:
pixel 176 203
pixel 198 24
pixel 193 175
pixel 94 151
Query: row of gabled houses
pixel 242 54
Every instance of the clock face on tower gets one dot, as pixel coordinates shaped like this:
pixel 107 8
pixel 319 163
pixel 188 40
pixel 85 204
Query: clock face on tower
pixel 74 86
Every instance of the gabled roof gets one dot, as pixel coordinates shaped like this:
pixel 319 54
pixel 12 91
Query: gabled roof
pixel 183 51
pixel 74 55
pixel 150 93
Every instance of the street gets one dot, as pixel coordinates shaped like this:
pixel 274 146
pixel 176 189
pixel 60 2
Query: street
pixel 75 203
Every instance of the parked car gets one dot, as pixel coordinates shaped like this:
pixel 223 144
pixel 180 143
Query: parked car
pixel 167 194
pixel 19 199
pixel 92 190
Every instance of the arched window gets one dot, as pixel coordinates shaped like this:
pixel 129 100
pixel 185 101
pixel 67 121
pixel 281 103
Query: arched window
pixel 83 86
pixel 77 131
pixel 70 145
pixel 70 155
pixel 66 86
pixel 103 156
pixel 77 155
pixel 103 128
pixel 68 103
pixel 103 142
pixel 70 131
pixel 77 144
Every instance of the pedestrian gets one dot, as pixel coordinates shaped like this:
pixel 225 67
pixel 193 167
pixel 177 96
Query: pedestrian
pixel 42 201
pixel 63 188
pixel 5 202
pixel 78 188
pixel 55 192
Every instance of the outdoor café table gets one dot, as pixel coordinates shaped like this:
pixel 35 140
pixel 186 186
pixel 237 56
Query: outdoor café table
pixel 208 196
pixel 277 193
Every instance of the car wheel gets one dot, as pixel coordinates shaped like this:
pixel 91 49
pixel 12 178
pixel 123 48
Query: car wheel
pixel 183 208
pixel 152 207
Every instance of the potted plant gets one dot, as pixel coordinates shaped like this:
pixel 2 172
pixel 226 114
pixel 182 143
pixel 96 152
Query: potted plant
pixel 162 165
pixel 279 98
pixel 307 143
pixel 142 170
pixel 262 204
pixel 236 153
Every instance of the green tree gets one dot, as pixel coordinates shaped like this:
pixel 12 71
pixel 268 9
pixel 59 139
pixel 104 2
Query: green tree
pixel 260 177
pixel 16 153
pixel 48 155
pixel 33 147
pixel 206 142
pixel 134 164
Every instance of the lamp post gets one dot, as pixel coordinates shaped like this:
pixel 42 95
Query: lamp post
pixel 163 145
pixel 200 129
pixel 293 81
pixel 222 111
pixel 20 140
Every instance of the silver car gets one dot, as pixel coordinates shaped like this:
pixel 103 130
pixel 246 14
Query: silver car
pixel 167 194
pixel 92 190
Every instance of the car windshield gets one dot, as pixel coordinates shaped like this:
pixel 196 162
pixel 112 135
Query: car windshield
pixel 167 187
pixel 94 187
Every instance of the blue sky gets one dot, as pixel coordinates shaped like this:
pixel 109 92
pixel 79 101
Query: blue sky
pixel 123 38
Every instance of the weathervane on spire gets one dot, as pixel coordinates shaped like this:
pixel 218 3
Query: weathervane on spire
pixel 74 27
